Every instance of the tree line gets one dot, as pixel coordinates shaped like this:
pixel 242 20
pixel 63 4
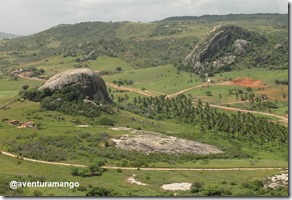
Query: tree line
pixel 241 126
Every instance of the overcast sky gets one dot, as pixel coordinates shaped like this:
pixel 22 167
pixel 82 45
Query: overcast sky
pixel 30 16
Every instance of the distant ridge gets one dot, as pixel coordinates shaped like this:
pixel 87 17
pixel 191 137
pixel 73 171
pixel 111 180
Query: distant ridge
pixel 282 17
pixel 7 35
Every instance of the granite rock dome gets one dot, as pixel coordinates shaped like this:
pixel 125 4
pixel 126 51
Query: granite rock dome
pixel 91 85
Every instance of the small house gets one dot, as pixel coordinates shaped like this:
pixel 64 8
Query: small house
pixel 27 125
pixel 14 122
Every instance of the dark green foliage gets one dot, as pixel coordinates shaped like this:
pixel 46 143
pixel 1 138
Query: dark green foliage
pixel 58 148
pixel 24 87
pixel 196 187
pixel 82 188
pixel 37 193
pixel 98 191
pixel 240 126
pixel 74 171
pixel 249 89
pixel 208 93
pixel 123 82
pixel 68 100
pixel 95 168
pixel 118 69
pixel 281 82
pixel 212 190
pixel 253 185
pixel 106 122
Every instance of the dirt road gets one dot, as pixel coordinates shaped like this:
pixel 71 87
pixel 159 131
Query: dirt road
pixel 150 93
pixel 145 168
pixel 123 88
pixel 30 78
pixel 250 111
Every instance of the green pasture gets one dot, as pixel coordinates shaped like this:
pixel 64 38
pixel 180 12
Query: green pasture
pixel 20 170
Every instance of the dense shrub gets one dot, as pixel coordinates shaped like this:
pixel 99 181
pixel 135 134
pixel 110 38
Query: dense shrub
pixel 98 191
pixel 106 122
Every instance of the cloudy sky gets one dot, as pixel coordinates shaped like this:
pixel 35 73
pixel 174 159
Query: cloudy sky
pixel 30 16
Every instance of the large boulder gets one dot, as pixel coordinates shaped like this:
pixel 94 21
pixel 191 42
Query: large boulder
pixel 91 85
pixel 240 46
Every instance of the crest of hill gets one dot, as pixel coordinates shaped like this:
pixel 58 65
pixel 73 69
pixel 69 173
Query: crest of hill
pixel 7 35
pixel 153 44
pixel 272 17
pixel 89 83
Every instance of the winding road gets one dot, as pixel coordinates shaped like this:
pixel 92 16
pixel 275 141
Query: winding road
pixel 145 168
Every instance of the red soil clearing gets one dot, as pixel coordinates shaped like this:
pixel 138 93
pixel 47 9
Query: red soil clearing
pixel 248 82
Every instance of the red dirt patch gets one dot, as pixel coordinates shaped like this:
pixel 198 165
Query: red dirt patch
pixel 248 82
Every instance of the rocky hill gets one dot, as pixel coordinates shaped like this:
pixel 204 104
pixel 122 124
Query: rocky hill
pixel 222 48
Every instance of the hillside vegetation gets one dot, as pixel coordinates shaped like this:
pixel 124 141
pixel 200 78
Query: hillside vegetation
pixel 7 36
pixel 199 101
pixel 164 42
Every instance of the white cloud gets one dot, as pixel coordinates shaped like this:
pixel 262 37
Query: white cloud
pixel 29 16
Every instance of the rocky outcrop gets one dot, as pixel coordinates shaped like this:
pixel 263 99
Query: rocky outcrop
pixel 277 181
pixel 227 41
pixel 240 46
pixel 278 46
pixel 227 60
pixel 90 84
pixel 92 55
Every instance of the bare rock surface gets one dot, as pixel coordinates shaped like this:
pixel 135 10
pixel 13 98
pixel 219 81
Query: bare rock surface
pixel 90 83
pixel 280 180
pixel 150 142
pixel 177 186
pixel 240 45
pixel 132 180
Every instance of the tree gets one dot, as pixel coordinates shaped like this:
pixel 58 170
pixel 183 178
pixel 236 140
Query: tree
pixel 24 87
pixel 98 191
pixel 118 69
pixel 84 172
pixel 209 93
pixel 75 171
pixel 37 193
pixel 249 89
pixel 95 168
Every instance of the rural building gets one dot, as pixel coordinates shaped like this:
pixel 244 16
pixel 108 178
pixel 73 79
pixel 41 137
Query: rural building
pixel 14 122
pixel 27 125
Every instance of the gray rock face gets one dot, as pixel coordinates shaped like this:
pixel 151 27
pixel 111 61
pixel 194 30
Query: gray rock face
pixel 278 46
pixel 224 61
pixel 240 46
pixel 92 85
pixel 219 43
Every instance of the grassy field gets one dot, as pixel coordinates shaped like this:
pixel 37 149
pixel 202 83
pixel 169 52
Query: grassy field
pixel 163 79
pixel 20 170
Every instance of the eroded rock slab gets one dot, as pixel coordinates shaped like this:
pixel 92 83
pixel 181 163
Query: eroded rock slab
pixel 150 142
pixel 177 186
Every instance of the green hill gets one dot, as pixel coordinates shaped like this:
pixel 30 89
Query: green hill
pixel 153 44
pixel 7 35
